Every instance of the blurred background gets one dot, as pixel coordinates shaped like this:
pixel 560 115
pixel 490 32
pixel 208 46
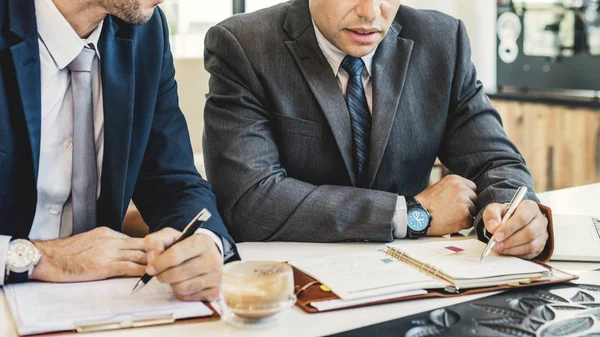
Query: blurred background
pixel 539 61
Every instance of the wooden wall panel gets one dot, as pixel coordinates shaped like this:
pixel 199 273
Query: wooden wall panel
pixel 561 173
pixel 560 144
pixel 592 147
pixel 537 142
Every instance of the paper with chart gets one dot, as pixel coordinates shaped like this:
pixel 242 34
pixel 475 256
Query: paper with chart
pixel 47 307
pixel 365 274
pixel 459 259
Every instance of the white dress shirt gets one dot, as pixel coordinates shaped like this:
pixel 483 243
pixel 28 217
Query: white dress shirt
pixel 335 57
pixel 59 45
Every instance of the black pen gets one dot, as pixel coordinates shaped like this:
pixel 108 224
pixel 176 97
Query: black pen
pixel 189 230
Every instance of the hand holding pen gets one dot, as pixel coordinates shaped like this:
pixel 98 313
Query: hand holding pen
pixel 189 262
pixel 520 229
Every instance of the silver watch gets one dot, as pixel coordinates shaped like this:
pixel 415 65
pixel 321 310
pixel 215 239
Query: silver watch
pixel 22 256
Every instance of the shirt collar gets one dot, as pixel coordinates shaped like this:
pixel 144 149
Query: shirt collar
pixel 335 56
pixel 61 40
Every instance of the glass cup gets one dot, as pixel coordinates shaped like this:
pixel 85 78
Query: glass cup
pixel 257 293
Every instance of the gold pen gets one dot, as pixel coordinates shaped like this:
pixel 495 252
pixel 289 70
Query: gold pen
pixel 512 206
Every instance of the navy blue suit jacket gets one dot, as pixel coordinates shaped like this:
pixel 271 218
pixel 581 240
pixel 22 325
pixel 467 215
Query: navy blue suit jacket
pixel 147 151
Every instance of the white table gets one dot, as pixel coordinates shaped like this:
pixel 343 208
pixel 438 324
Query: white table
pixel 580 200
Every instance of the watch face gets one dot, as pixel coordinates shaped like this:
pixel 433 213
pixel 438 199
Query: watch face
pixel 21 255
pixel 418 219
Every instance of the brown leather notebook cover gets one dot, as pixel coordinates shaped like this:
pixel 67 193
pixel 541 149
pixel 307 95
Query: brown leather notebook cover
pixel 308 290
pixel 546 254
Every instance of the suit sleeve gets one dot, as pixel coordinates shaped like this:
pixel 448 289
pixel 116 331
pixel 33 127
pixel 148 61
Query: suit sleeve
pixel 475 145
pixel 170 191
pixel 4 241
pixel 257 198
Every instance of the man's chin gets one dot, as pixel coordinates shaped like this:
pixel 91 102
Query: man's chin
pixel 144 17
pixel 139 18
pixel 359 50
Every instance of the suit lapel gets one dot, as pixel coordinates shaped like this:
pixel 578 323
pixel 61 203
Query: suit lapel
pixel 118 88
pixel 390 68
pixel 25 55
pixel 323 84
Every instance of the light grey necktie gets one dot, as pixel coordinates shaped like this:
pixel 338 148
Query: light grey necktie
pixel 84 180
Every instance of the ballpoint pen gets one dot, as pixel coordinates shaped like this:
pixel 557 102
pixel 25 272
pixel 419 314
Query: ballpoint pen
pixel 189 230
pixel 512 206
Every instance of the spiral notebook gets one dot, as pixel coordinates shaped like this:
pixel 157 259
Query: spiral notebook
pixel 412 270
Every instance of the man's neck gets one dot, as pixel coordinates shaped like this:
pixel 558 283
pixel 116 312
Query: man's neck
pixel 83 15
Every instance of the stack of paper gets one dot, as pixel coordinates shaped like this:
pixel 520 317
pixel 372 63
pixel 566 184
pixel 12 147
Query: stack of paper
pixel 48 307
pixel 364 275
pixel 416 268
pixel 460 261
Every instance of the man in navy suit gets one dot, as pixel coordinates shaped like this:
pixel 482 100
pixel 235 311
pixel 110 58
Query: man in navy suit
pixel 89 119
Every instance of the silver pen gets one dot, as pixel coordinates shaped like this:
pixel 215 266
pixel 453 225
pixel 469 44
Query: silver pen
pixel 512 206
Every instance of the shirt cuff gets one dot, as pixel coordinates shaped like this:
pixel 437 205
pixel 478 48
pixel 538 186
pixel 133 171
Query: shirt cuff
pixel 4 241
pixel 482 233
pixel 214 236
pixel 400 219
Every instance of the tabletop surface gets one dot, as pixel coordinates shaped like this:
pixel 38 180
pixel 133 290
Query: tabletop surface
pixel 578 200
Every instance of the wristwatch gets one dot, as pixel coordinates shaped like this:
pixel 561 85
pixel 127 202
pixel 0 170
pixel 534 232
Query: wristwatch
pixel 418 218
pixel 21 257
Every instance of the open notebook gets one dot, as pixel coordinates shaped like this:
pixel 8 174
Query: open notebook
pixel 48 307
pixel 414 270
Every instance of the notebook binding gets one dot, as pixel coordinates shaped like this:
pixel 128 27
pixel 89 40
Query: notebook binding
pixel 399 254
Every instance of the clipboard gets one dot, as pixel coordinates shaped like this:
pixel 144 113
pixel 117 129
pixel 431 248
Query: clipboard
pixel 44 309
pixel 142 322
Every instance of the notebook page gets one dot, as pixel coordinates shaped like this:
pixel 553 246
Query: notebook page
pixel 338 304
pixel 460 260
pixel 47 307
pixel 366 274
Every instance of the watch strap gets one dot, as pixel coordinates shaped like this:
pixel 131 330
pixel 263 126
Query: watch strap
pixel 14 277
pixel 411 202
pixel 412 234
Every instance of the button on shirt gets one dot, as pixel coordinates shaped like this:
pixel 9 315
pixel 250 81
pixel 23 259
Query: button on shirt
pixel 335 57
pixel 59 45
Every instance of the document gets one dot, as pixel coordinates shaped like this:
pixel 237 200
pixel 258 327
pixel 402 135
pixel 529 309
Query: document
pixel 363 275
pixel 441 265
pixel 337 304
pixel 48 307
pixel 459 259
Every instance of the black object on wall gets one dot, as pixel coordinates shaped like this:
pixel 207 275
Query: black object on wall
pixel 548 45
pixel 239 6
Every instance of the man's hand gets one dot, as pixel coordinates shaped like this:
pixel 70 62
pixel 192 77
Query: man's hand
pixel 523 235
pixel 193 267
pixel 451 204
pixel 95 255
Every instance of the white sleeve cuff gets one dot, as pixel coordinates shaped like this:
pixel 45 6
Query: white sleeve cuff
pixel 4 241
pixel 210 233
pixel 400 219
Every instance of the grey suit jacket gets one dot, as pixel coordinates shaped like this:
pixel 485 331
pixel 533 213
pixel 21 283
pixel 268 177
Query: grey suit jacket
pixel 279 150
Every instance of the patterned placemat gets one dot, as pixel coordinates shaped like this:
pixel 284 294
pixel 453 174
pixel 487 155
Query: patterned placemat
pixel 571 309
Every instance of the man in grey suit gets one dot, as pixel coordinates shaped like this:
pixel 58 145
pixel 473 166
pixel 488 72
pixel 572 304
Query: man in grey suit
pixel 324 119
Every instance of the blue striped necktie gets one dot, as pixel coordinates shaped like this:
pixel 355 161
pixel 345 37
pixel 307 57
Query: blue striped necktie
pixel 359 115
